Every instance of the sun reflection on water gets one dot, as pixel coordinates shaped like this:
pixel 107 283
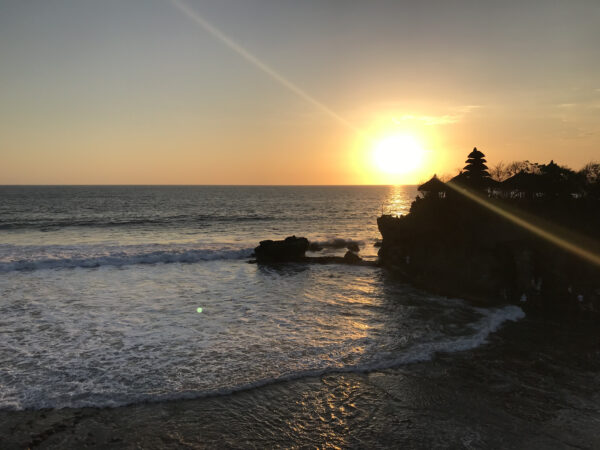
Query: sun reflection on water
pixel 399 200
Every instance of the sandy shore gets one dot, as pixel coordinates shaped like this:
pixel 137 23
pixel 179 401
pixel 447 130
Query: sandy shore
pixel 535 385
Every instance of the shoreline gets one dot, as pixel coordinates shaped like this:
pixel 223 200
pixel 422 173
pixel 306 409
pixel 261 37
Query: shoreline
pixel 530 385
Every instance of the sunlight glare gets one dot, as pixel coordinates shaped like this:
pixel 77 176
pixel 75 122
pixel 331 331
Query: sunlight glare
pixel 398 154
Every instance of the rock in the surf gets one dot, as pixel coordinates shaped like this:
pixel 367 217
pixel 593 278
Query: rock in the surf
pixel 353 246
pixel 291 248
pixel 352 258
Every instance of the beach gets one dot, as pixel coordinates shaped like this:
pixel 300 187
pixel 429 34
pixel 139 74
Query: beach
pixel 532 386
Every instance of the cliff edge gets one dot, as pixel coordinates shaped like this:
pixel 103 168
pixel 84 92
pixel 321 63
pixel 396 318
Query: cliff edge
pixel 534 242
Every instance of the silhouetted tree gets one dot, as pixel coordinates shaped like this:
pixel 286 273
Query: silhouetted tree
pixel 590 177
pixel 558 180
pixel 518 178
pixel 516 167
pixel 591 173
pixel 499 172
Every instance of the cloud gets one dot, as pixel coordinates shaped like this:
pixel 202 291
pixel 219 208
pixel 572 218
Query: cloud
pixel 444 119
pixel 577 120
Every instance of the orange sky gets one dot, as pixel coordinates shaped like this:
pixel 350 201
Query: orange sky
pixel 264 92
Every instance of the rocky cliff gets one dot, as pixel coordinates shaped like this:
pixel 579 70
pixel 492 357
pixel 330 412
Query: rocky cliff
pixel 454 246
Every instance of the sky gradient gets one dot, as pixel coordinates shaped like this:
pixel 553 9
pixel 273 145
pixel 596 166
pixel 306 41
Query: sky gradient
pixel 139 92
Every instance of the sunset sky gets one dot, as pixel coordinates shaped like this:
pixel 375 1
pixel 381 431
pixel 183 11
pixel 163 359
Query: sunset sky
pixel 291 92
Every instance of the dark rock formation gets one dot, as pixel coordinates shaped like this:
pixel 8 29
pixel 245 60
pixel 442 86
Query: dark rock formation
pixel 533 239
pixel 315 247
pixel 293 249
pixel 351 257
pixel 290 249
pixel 457 247
pixel 353 247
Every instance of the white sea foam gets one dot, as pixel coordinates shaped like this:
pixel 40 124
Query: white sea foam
pixel 106 342
pixel 15 258
pixel 337 243
pixel 490 322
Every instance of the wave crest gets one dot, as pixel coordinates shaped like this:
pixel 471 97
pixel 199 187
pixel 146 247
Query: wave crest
pixel 491 321
pixel 49 223
pixel 69 259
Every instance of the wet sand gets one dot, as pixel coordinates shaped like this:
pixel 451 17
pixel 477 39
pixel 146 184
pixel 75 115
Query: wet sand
pixel 534 385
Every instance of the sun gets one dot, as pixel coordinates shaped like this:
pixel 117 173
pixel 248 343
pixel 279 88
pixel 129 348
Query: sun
pixel 399 154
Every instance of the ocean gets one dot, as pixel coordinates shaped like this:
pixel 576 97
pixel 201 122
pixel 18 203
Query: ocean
pixel 130 317
pixel 121 295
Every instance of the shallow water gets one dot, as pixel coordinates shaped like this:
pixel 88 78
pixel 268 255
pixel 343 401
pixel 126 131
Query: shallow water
pixel 101 287
pixel 533 385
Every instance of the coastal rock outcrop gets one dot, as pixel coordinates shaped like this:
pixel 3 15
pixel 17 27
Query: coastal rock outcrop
pixel 532 238
pixel 353 247
pixel 292 248
pixel 454 246
pixel 351 257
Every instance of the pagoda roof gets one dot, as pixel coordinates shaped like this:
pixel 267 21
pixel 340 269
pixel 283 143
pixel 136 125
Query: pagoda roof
pixel 475 154
pixel 523 181
pixel 433 185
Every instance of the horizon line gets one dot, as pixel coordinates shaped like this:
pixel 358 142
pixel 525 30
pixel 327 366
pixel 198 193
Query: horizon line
pixel 206 185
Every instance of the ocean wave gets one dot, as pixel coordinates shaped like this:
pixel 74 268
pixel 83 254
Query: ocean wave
pixel 49 224
pixel 337 243
pixel 122 258
pixel 491 321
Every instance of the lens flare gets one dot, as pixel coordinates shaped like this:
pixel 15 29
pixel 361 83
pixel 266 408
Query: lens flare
pixel 549 236
pixel 265 68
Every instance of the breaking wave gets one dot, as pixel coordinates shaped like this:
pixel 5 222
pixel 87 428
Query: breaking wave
pixel 49 224
pixel 337 243
pixel 56 257
pixel 489 323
